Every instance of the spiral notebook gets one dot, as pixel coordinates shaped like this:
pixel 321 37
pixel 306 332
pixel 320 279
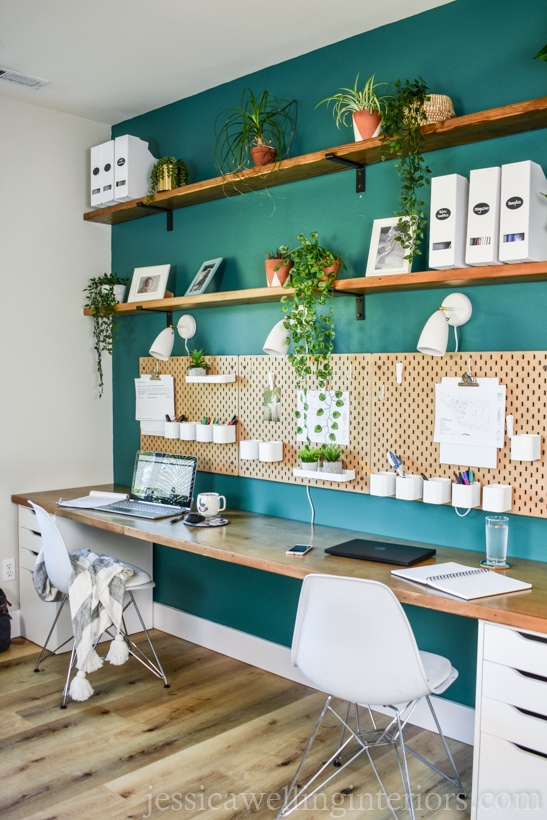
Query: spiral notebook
pixel 462 581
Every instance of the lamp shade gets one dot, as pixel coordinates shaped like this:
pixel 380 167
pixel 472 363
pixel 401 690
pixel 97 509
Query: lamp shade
pixel 162 346
pixel 277 343
pixel 434 337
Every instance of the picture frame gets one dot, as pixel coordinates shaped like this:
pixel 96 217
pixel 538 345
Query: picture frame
pixel 386 255
pixel 149 283
pixel 203 277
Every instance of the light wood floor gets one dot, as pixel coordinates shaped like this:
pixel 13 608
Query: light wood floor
pixel 222 742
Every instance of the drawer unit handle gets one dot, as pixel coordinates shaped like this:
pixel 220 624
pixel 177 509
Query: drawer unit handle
pixel 531 751
pixel 532 675
pixel 537 638
pixel 530 713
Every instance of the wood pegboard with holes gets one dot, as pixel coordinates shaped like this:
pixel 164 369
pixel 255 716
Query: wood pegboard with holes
pixel 197 400
pixel 351 374
pixel 403 416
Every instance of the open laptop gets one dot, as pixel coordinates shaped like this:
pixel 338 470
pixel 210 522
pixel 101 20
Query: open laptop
pixel 163 485
pixel 386 552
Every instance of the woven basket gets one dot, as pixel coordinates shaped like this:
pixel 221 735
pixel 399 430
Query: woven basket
pixel 438 107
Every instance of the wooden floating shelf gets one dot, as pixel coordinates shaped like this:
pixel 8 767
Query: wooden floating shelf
pixel 484 125
pixel 420 280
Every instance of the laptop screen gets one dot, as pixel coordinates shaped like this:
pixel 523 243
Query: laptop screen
pixel 164 478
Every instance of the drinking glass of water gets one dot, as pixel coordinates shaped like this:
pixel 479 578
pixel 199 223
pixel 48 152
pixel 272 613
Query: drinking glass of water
pixel 497 531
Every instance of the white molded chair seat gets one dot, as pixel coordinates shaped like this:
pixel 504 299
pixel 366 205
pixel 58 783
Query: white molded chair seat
pixel 59 571
pixel 352 640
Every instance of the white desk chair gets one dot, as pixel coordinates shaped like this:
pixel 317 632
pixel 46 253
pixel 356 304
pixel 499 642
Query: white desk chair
pixel 352 640
pixel 59 572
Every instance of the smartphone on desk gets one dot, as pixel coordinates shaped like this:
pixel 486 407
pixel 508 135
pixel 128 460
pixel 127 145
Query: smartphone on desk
pixel 299 549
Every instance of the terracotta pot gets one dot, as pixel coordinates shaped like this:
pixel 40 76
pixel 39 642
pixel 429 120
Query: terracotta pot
pixel 277 278
pixel 366 124
pixel 335 267
pixel 263 154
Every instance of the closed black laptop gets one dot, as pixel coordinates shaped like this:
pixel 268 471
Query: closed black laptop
pixel 403 555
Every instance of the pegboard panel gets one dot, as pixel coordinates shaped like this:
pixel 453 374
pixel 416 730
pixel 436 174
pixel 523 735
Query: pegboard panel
pixel 197 400
pixel 403 416
pixel 351 373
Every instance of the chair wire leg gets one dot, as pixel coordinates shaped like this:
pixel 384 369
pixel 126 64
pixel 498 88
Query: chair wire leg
pixel 45 652
pixel 70 668
pixel 137 653
pixel 455 780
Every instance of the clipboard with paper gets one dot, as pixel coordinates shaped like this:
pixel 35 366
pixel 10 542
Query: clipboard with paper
pixel 469 423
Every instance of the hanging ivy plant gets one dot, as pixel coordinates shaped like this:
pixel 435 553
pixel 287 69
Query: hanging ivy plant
pixel 101 300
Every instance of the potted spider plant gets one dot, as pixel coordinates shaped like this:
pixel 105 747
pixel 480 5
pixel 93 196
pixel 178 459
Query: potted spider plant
pixel 103 293
pixel 167 173
pixel 401 133
pixel 360 107
pixel 309 457
pixel 260 129
pixel 278 266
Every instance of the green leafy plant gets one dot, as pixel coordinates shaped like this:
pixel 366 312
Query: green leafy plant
pixel 309 318
pixel 101 301
pixel 258 121
pixel 332 452
pixel 541 55
pixel 402 121
pixel 309 454
pixel 197 359
pixel 279 253
pixel 175 170
pixel 348 100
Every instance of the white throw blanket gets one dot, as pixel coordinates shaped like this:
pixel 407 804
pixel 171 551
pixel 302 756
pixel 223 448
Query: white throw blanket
pixel 95 594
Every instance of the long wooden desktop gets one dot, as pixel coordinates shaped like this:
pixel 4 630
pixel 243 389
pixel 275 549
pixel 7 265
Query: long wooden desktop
pixel 510 738
pixel 260 541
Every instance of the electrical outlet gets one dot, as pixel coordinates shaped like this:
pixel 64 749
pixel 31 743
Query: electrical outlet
pixel 8 569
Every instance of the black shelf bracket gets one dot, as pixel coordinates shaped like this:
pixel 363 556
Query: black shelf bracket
pixel 168 313
pixel 359 170
pixel 360 307
pixel 167 211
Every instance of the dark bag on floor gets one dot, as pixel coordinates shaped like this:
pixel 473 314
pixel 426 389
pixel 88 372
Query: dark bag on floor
pixel 5 625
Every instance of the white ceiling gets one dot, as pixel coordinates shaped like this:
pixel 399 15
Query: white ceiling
pixel 110 60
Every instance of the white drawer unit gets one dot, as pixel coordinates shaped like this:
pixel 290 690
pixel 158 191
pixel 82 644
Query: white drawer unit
pixel 37 616
pixel 510 756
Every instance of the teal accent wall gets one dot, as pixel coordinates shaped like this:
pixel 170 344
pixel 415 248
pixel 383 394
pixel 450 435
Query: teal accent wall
pixel 479 52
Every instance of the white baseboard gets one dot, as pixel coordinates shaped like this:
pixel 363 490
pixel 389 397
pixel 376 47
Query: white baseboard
pixel 15 623
pixel 456 720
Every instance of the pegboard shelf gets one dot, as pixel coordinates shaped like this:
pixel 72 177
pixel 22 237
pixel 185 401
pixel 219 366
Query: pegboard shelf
pixel 220 378
pixel 482 125
pixel 345 475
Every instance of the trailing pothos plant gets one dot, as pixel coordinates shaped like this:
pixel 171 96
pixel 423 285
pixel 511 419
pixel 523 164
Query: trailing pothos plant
pixel 310 327
pixel 101 300
pixel 402 121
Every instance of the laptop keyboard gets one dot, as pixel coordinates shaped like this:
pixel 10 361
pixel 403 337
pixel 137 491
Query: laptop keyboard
pixel 140 507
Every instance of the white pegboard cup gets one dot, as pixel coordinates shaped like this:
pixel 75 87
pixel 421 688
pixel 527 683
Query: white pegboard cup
pixel 409 487
pixel 496 497
pixel 188 430
pixel 248 449
pixel 172 429
pixel 270 451
pixel 204 432
pixel 466 496
pixel 525 447
pixel 382 484
pixel 224 433
pixel 437 491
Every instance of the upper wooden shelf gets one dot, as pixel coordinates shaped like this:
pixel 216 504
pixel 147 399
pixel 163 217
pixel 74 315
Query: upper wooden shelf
pixel 420 280
pixel 484 125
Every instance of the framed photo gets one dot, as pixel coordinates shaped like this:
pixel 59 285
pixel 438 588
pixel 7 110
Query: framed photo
pixel 203 277
pixel 149 283
pixel 386 254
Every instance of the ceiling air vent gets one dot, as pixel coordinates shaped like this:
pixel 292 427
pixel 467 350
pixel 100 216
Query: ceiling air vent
pixel 15 77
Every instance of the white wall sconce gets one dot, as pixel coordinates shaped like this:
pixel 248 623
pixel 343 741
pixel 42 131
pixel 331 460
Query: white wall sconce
pixel 455 311
pixel 162 346
pixel 277 343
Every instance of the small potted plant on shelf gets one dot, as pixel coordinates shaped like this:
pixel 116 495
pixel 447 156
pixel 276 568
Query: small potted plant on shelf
pixel 103 293
pixel 198 365
pixel 309 457
pixel 278 266
pixel 167 173
pixel 402 121
pixel 360 107
pixel 261 128
pixel 332 458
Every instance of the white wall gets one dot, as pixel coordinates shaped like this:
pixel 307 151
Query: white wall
pixel 54 430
